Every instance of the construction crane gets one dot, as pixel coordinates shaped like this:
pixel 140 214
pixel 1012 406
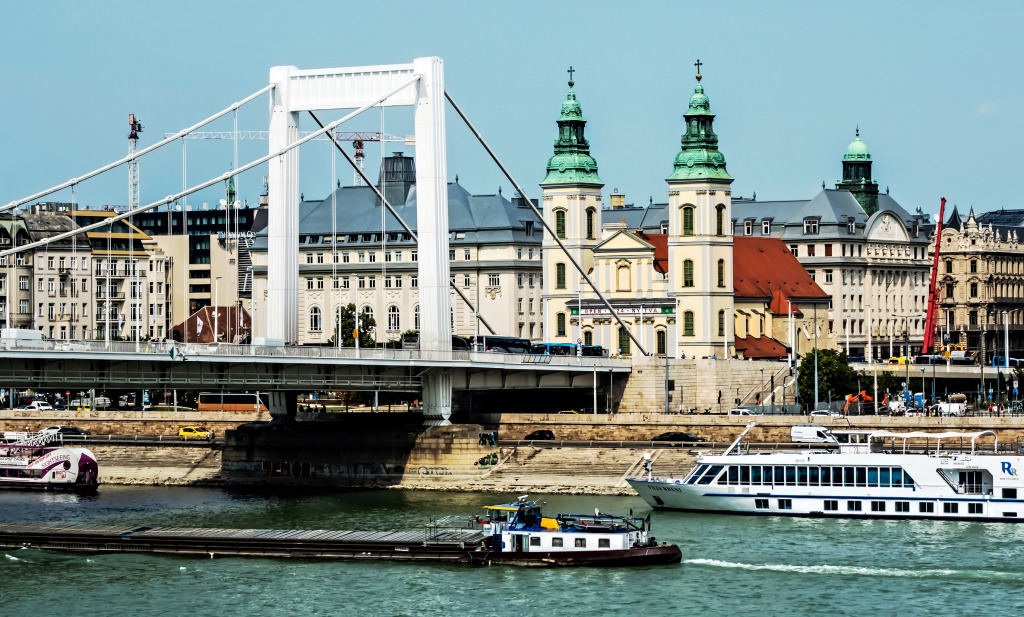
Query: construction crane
pixel 135 127
pixel 356 137
pixel 928 347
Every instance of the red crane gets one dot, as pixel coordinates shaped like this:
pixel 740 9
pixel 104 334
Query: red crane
pixel 933 290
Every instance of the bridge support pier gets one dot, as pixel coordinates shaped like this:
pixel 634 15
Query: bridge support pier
pixel 437 398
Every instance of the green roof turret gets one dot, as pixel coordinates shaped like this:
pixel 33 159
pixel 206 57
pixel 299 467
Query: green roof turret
pixel 699 158
pixel 857 150
pixel 571 163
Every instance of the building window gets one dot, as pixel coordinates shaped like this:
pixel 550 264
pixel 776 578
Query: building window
pixel 560 223
pixel 795 249
pixel 560 276
pixel 493 280
pixel 748 228
pixel 949 290
pixel 622 278
pixel 851 226
pixel 366 317
pixel 828 250
pixel 766 228
pixel 315 319
pixel 974 290
pixel 560 324
pixel 974 266
pixel 810 250
pixel 588 338
pixel 688 323
pixel 590 224
pixel 721 323
pixel 416 317
pixel 661 344
pixel 721 273
pixel 623 342
pixel 688 273
pixel 394 321
pixel 811 226
pixel 949 266
pixel 720 220
pixel 828 276
pixel 465 280
pixel 688 221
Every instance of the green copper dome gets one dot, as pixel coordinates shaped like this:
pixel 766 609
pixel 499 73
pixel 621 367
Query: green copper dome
pixel 699 158
pixel 571 163
pixel 857 150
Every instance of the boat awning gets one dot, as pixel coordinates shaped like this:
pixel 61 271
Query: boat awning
pixel 925 435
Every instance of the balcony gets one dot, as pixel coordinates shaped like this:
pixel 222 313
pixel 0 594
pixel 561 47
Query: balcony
pixel 118 295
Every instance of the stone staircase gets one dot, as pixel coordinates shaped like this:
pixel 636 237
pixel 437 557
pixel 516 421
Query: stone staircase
pixel 157 465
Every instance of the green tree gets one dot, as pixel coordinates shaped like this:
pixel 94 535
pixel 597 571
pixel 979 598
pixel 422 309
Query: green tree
pixel 348 324
pixel 834 375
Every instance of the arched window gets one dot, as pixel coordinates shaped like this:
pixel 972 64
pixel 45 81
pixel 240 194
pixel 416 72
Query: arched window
pixel 661 343
pixel 590 224
pixel 688 273
pixel 588 337
pixel 560 324
pixel 721 273
pixel 720 220
pixel 721 323
pixel 394 319
pixel 416 317
pixel 624 342
pixel 365 318
pixel 559 276
pixel 315 319
pixel 622 278
pixel 688 221
pixel 688 323
pixel 560 223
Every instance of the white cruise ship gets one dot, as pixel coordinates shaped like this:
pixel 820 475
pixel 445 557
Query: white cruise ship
pixel 862 474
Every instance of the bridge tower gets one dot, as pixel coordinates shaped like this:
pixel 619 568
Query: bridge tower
pixel 297 91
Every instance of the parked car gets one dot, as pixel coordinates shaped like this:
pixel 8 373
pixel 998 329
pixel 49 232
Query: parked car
pixel 823 413
pixel 67 431
pixel 677 436
pixel 744 412
pixel 193 432
pixel 38 406
pixel 542 434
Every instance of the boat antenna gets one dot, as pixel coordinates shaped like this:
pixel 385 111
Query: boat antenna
pixel 735 443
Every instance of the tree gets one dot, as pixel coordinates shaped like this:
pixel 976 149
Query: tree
pixel 348 324
pixel 834 375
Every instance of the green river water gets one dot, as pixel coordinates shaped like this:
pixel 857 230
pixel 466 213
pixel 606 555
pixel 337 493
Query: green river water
pixel 731 565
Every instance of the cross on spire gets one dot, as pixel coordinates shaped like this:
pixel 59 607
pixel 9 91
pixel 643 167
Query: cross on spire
pixel 570 72
pixel 697 64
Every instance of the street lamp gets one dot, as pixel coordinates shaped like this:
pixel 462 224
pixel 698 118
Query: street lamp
pixel 1006 340
pixel 761 396
pixel 216 310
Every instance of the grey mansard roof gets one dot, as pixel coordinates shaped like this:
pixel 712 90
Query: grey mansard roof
pixel 355 211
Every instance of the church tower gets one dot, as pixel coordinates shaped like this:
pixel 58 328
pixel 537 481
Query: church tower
pixel 700 236
pixel 571 193
pixel 857 175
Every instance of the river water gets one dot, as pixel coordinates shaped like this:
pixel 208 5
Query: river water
pixel 731 565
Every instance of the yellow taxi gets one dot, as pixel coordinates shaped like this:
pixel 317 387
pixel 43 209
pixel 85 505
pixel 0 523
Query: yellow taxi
pixel 193 432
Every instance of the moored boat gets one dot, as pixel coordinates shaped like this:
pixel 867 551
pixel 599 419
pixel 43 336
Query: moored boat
pixel 855 474
pixel 33 464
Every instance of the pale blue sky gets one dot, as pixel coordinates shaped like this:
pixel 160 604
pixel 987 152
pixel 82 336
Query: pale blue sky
pixel 935 87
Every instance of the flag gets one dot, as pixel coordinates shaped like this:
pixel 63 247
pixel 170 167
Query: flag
pixel 199 325
pixel 120 321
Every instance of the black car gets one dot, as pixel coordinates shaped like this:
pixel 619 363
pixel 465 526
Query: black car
pixel 539 435
pixel 674 436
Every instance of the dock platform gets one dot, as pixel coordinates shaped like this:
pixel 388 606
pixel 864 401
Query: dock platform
pixel 427 544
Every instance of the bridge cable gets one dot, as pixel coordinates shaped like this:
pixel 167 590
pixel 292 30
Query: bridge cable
pixel 543 222
pixel 136 155
pixel 401 221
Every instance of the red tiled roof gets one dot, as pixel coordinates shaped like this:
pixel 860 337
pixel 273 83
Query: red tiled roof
pixel 760 347
pixel 765 268
pixel 660 244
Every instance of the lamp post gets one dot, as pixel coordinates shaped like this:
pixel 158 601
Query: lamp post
pixel 216 310
pixel 1006 339
pixel 761 387
pixel 815 355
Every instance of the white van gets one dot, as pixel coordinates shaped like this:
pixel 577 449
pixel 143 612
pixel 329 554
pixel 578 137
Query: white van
pixel 810 433
pixel 39 406
pixel 19 338
pixel 951 409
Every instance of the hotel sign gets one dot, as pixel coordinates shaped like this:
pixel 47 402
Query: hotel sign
pixel 646 310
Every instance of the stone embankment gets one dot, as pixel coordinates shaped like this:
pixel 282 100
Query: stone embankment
pixel 158 465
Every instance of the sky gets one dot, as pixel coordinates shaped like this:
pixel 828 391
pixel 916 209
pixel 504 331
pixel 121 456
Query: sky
pixel 935 88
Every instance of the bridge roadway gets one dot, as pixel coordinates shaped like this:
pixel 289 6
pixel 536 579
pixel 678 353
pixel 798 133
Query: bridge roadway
pixel 127 365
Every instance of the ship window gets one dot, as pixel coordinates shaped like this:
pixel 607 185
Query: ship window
pixel 926 507
pixel 697 473
pixel 801 476
pixel 604 543
pixel 837 476
pixel 848 476
pixel 711 474
pixel 745 475
pixel 862 476
pixel 734 475
pixel 903 506
pixel 883 476
pixel 878 506
pixel 755 474
pixel 831 505
pixel 974 508
pixel 534 540
pixel 556 542
pixel 790 476
pixel 761 504
pixel 1009 514
pixel 897 476
pixel 1009 493
pixel 786 504
pixel 581 543
pixel 815 476
pixel 853 506
pixel 950 508
pixel 780 475
pixel 767 474
pixel 907 480
pixel 872 476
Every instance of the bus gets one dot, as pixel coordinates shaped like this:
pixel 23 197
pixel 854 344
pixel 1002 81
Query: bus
pixel 231 401
pixel 932 359
pixel 411 340
pixel 499 344
pixel 567 349
pixel 1000 361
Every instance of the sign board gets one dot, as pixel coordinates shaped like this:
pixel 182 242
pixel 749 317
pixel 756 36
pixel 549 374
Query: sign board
pixel 646 310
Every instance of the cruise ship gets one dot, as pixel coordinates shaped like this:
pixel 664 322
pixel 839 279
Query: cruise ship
pixel 855 474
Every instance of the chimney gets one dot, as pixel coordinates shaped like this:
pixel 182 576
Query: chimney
pixel 618 200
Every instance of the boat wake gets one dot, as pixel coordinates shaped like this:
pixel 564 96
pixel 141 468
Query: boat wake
pixel 863 571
